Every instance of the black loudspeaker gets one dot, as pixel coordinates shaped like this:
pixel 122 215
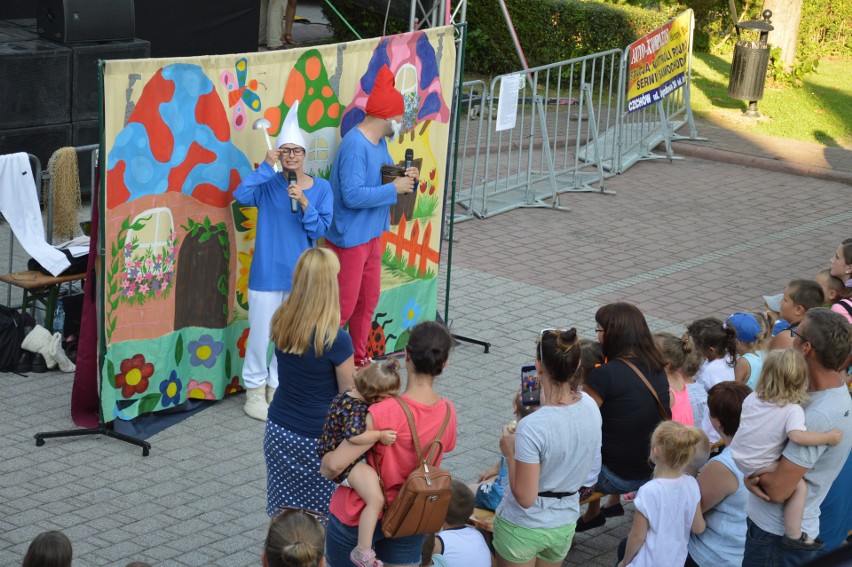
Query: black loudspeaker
pixel 35 84
pixel 15 33
pixel 73 21
pixel 17 9
pixel 84 134
pixel 84 70
pixel 40 141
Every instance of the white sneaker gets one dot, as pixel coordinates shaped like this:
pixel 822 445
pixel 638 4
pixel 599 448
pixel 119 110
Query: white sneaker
pixel 256 405
pixel 270 393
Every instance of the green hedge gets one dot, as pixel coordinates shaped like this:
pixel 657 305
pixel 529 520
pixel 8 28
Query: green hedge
pixel 549 30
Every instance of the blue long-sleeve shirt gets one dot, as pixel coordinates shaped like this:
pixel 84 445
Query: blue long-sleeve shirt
pixel 282 236
pixel 361 202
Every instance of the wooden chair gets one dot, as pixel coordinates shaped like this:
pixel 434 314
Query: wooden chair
pixel 40 288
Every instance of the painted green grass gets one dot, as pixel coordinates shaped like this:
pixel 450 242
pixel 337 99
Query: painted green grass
pixel 818 112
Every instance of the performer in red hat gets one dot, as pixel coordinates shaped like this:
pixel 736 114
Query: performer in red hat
pixel 362 207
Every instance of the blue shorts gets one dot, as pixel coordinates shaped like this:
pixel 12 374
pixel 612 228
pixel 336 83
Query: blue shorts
pixel 341 539
pixel 611 483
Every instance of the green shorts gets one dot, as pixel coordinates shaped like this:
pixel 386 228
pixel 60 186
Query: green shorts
pixel 517 544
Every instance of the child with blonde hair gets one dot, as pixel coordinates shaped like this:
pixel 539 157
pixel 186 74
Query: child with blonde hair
pixel 668 507
pixel 771 416
pixel 295 539
pixel 674 351
pixel 347 419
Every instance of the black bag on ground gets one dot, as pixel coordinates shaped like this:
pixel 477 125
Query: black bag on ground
pixel 11 337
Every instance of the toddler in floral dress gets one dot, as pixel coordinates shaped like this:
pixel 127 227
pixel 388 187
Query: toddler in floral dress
pixel 347 420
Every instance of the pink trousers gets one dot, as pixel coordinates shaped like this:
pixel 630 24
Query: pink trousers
pixel 360 280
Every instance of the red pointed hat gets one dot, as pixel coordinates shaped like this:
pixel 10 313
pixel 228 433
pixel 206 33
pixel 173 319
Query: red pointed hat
pixel 385 101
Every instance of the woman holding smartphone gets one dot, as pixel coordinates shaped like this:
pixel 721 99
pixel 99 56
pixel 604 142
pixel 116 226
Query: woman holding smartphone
pixel 549 456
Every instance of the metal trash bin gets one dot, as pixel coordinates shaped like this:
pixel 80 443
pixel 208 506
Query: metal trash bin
pixel 751 59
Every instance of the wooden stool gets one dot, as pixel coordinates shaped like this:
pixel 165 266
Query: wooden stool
pixel 483 520
pixel 41 288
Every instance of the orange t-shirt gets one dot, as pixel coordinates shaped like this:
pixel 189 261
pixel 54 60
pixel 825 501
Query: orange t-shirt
pixel 399 459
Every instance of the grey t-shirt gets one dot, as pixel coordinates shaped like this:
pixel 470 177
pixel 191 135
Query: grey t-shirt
pixel 825 410
pixel 563 440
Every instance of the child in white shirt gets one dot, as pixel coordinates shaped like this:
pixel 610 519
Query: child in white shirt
pixel 668 506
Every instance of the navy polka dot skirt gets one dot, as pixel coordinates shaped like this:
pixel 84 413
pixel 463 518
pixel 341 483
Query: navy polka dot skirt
pixel 292 472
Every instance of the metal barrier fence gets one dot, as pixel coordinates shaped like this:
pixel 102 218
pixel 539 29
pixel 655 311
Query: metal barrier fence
pixel 561 106
pixel 637 133
pixel 572 132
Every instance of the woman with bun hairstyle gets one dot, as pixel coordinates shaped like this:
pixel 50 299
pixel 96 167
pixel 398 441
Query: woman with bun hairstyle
pixel 549 456
pixel 426 356
pixel 295 539
pixel 629 410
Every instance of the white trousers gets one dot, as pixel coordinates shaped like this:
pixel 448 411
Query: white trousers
pixel 262 306
pixel 271 17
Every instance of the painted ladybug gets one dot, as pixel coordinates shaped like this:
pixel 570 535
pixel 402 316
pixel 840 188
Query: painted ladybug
pixel 377 342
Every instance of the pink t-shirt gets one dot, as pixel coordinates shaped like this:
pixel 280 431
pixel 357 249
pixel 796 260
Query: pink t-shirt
pixel 399 459
pixel 838 308
pixel 682 408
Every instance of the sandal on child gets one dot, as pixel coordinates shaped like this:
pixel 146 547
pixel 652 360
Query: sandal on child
pixel 288 39
pixel 365 559
pixel 802 543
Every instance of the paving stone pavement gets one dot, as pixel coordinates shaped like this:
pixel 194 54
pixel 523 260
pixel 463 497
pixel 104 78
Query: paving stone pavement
pixel 681 240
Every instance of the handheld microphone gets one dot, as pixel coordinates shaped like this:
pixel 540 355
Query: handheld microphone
pixel 294 204
pixel 409 158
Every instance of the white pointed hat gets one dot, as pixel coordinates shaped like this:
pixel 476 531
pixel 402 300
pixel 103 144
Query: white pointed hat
pixel 290 131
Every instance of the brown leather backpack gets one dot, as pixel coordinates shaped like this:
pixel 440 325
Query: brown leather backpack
pixel 422 503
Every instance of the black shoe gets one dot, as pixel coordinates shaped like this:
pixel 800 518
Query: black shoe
pixel 39 364
pixel 595 522
pixel 25 362
pixel 612 511
pixel 802 544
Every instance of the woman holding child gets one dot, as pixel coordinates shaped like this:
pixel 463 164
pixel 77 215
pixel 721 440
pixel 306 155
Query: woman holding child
pixel 426 355
pixel 629 410
pixel 549 456
pixel 315 363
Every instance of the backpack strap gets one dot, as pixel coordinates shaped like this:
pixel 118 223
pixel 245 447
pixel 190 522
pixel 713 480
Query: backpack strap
pixel 846 304
pixel 416 439
pixel 437 440
pixel 663 413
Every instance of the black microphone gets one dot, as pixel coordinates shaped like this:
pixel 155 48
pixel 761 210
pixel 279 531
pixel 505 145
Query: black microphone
pixel 409 158
pixel 294 204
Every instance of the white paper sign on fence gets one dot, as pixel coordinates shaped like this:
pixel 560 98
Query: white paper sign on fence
pixel 507 105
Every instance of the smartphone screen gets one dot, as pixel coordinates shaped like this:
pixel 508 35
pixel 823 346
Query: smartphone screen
pixel 530 386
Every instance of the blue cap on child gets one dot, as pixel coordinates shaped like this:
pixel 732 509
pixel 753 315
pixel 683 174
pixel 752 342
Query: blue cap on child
pixel 746 326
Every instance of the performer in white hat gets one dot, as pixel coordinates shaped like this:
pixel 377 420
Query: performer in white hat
pixel 281 237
